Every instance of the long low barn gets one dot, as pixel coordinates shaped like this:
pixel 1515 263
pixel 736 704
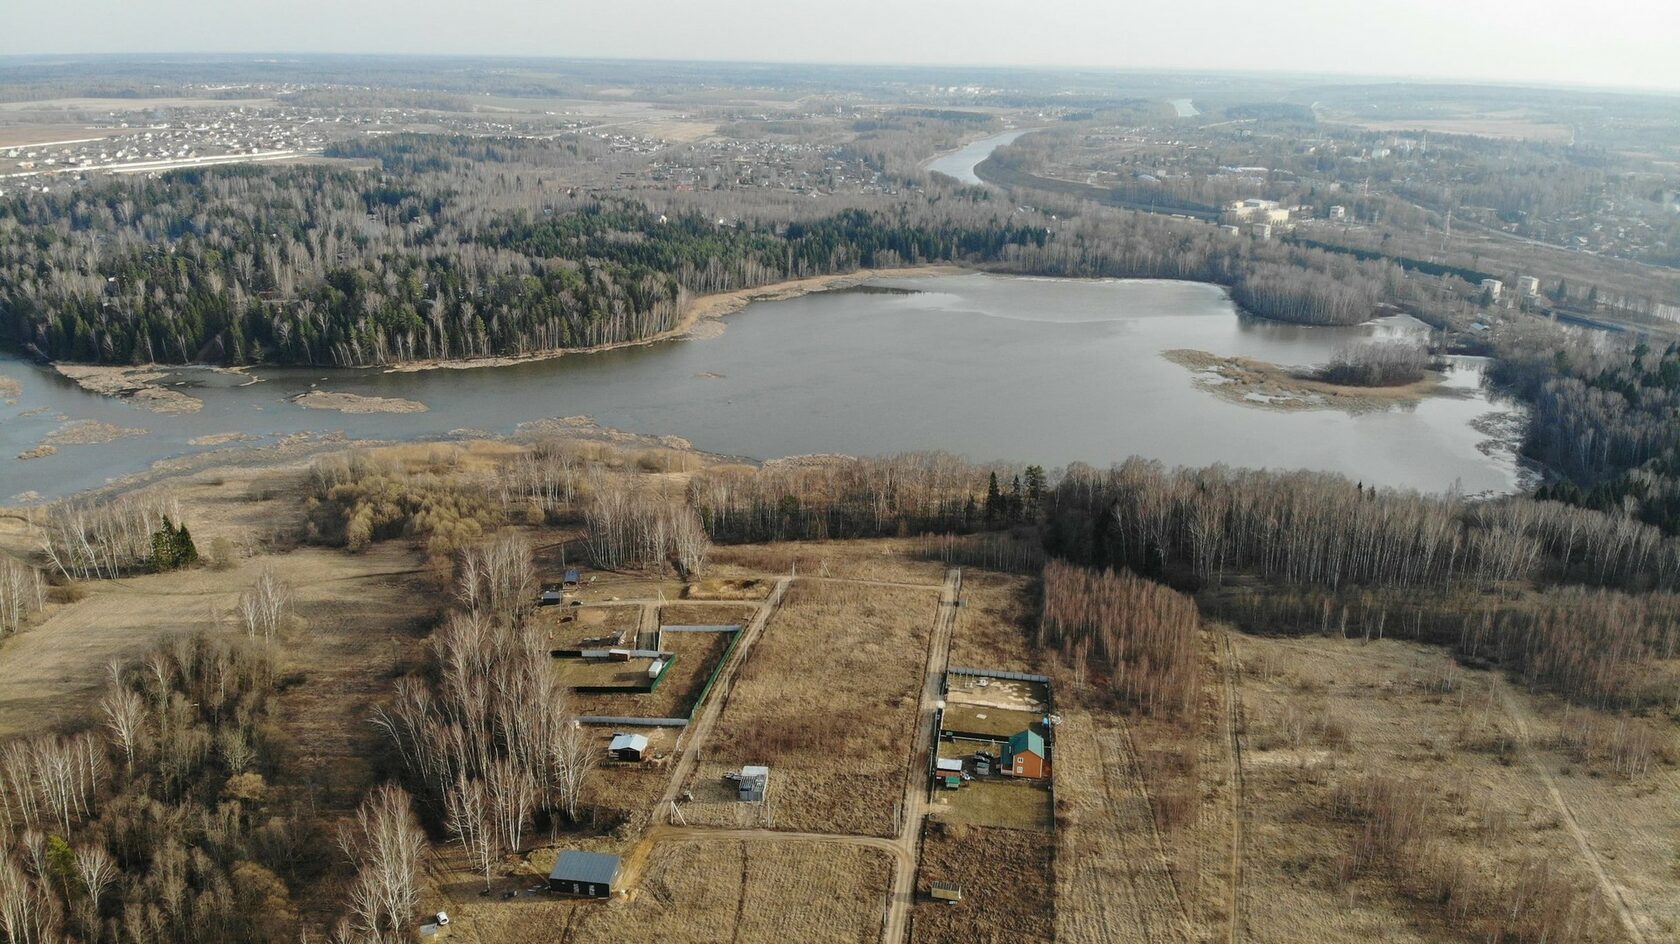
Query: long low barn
pixel 585 874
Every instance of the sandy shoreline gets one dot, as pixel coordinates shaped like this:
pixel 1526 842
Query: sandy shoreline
pixel 138 384
pixel 701 318
pixel 356 403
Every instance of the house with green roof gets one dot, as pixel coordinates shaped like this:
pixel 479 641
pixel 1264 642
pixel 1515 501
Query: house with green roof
pixel 1024 756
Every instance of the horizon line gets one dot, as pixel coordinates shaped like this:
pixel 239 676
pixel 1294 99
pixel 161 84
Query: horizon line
pixel 1422 79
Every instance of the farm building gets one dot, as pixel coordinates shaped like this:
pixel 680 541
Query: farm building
pixel 631 747
pixel 550 597
pixel 586 874
pixel 572 579
pixel 1024 756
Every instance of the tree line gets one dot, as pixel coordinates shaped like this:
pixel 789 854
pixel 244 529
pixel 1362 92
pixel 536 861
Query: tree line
pixel 309 265
pixel 1601 420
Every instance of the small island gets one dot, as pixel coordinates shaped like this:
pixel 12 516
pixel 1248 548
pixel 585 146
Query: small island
pixel 1366 377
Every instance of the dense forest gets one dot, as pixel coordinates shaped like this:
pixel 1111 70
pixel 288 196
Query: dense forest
pixel 1603 419
pixel 456 247
pixel 316 266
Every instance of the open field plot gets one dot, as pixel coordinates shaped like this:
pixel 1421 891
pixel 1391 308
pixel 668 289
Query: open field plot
pixel 589 627
pixel 1005 879
pixel 711 890
pixel 729 588
pixel 828 700
pixel 708 614
pixel 1329 715
pixel 705 890
pixel 993 801
pixel 603 586
pixel 696 656
pixel 970 721
pixel 998 614
pixel 886 560
pixel 1112 878
pixel 627 674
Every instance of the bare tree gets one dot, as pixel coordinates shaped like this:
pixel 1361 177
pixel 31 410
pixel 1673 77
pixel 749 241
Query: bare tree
pixel 467 817
pixel 265 607
pixel 384 841
pixel 21 595
pixel 574 757
pixel 125 718
pixel 97 870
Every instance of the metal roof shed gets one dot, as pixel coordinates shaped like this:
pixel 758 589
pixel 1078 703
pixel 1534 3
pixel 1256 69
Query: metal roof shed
pixel 628 746
pixel 586 874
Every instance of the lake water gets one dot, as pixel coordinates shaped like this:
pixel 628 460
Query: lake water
pixel 992 367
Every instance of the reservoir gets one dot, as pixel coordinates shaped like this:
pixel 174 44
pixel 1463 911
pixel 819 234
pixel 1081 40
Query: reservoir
pixel 1050 371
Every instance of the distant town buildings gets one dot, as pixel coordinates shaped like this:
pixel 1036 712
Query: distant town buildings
pixel 1528 286
pixel 1255 210
pixel 1493 288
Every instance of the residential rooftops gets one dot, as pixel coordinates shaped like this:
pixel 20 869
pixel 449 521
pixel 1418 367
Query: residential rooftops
pixel 1026 741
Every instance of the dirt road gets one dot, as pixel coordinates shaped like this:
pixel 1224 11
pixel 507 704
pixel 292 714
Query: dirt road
pixel 903 847
pixel 1612 892
pixel 903 896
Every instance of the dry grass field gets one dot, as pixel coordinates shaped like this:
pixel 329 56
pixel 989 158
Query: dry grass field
pixel 828 699
pixel 1006 882
pixel 1505 804
pixel 707 614
pixel 358 619
pixel 711 890
pixel 993 629
pixel 699 892
pixel 995 801
pixel 887 561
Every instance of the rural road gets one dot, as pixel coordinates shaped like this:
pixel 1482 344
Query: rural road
pixel 701 728
pixel 1612 892
pixel 897 924
pixel 904 848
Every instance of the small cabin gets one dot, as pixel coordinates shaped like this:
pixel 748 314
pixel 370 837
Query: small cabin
pixel 948 767
pixel 948 892
pixel 628 747
pixel 584 874
pixel 572 579
pixel 551 597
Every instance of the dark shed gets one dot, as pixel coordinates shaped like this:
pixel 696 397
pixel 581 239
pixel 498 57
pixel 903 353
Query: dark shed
pixel 586 874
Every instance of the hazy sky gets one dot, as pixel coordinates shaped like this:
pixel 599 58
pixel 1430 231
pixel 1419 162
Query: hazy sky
pixel 1607 42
